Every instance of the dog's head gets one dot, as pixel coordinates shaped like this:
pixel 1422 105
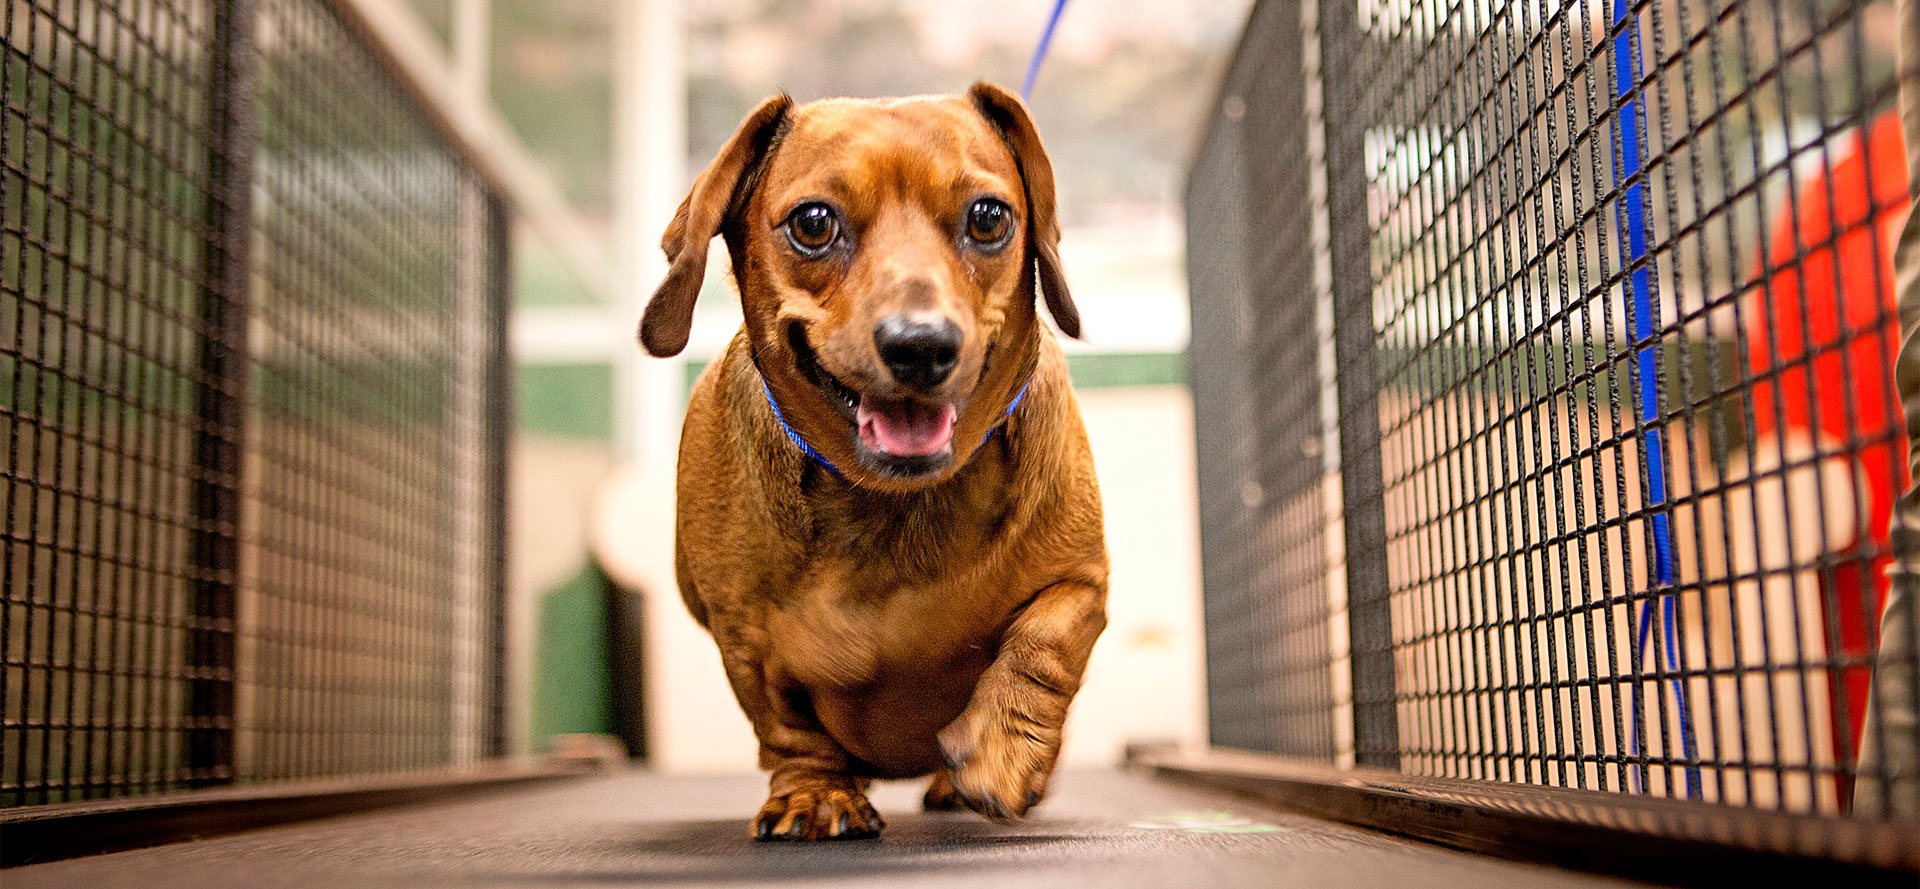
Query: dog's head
pixel 887 254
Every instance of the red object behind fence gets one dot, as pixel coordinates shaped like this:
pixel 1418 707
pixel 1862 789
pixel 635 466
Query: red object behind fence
pixel 1824 364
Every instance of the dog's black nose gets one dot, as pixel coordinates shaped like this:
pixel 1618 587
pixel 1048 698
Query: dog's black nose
pixel 920 350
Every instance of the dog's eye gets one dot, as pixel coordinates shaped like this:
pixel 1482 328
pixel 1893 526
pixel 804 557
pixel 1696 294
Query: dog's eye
pixel 812 228
pixel 988 222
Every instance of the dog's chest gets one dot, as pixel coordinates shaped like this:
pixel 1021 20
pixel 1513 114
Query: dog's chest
pixel 883 673
pixel 850 626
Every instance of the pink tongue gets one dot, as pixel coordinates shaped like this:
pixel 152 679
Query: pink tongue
pixel 904 428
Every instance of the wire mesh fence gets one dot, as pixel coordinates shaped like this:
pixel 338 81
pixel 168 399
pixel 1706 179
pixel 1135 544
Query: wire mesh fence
pixel 1269 532
pixel 251 400
pixel 1543 362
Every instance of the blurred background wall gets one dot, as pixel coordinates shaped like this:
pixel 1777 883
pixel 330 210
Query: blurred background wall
pixel 592 466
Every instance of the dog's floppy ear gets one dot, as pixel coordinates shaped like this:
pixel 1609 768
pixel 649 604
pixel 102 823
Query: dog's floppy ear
pixel 1008 115
pixel 717 192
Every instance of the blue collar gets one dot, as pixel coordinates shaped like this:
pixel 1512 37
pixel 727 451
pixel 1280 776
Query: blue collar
pixel 821 459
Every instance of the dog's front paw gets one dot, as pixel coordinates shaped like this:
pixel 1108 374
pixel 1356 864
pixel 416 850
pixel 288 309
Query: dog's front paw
pixel 999 769
pixel 823 814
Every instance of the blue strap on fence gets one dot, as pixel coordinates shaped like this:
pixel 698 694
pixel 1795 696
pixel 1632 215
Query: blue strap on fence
pixel 1630 217
pixel 1040 51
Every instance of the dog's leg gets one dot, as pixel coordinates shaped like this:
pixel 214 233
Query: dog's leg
pixel 811 795
pixel 940 795
pixel 1002 747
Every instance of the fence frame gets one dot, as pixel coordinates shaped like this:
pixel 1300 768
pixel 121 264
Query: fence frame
pixel 222 397
pixel 1363 486
pixel 1659 840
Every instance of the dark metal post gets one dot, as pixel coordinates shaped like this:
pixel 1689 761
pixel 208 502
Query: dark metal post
pixel 499 431
pixel 1375 727
pixel 222 390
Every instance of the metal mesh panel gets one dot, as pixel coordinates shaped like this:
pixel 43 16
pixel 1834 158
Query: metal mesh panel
pixel 1264 490
pixel 252 403
pixel 353 486
pixel 1622 281
pixel 104 289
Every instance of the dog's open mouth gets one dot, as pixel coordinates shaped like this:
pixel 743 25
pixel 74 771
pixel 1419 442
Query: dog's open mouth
pixel 904 427
pixel 898 436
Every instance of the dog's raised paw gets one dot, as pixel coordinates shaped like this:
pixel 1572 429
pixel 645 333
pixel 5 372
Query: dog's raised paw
pixel 817 815
pixel 997 771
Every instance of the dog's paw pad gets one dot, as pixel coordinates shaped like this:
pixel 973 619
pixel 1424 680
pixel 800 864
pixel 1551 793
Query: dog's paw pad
pixel 823 815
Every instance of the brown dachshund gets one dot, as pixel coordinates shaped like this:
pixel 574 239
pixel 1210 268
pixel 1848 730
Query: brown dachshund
pixel 887 514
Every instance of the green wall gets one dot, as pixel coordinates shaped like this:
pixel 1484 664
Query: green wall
pixel 565 400
pixel 572 688
pixel 572 682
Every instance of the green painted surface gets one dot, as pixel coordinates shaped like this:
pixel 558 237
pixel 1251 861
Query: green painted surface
pixel 1090 371
pixel 565 400
pixel 572 682
pixel 542 278
pixel 1128 369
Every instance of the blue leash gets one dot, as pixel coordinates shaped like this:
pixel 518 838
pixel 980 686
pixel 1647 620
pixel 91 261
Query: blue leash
pixel 1040 51
pixel 1630 214
pixel 821 459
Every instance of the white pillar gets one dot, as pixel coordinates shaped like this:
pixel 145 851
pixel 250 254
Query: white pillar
pixel 650 147
pixel 692 722
pixel 472 31
pixel 468 726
